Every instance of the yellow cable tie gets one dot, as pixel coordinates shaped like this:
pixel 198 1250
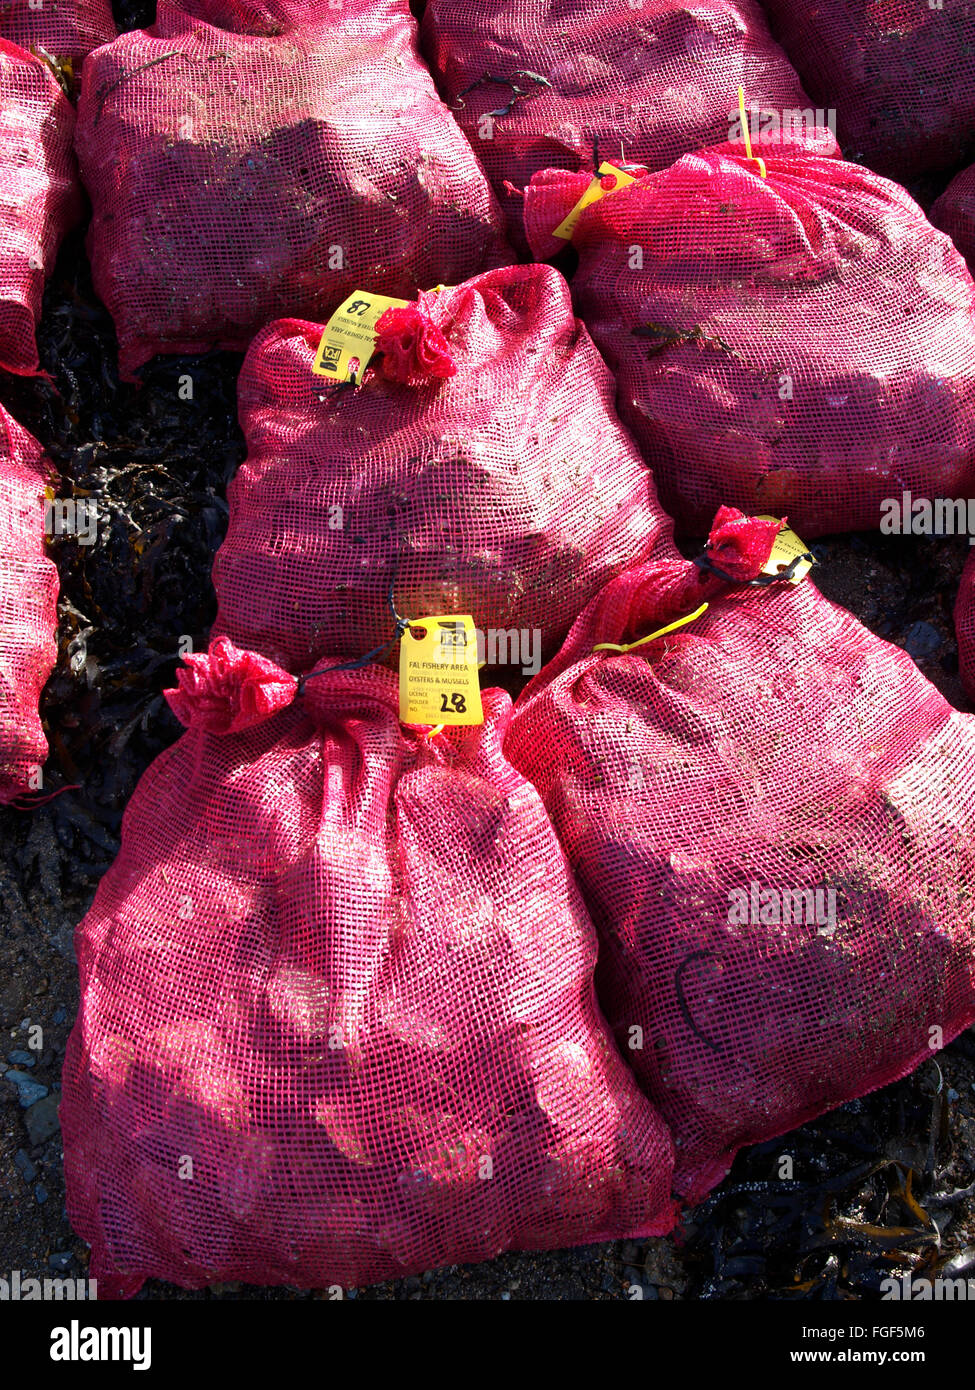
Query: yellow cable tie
pixel 437 729
pixel 752 159
pixel 661 632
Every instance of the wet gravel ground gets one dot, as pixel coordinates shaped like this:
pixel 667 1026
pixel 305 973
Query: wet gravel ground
pixel 876 1188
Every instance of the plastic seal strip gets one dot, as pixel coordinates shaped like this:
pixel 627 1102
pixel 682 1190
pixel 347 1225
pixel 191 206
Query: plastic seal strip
pixel 661 632
pixel 752 159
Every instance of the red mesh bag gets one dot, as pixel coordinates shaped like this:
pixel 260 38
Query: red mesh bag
pixel 799 344
pixel 774 747
pixel 28 608
pixel 239 177
pixel 954 213
pixel 341 969
pixel 534 84
pixel 63 28
pixel 39 196
pixel 480 468
pixel 965 626
pixel 897 72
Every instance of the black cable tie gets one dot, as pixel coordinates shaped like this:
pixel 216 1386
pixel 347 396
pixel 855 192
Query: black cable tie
pixel 682 1001
pixel 705 562
pixel 401 624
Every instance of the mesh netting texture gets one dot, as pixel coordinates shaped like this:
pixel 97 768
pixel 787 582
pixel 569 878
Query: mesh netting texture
pixel 771 816
pixel 338 1021
pixel 508 490
pixel 28 608
pixel 237 178
pixel 39 196
pixel 954 213
pixel 532 83
pixel 63 28
pixel 898 74
pixel 965 626
pixel 801 344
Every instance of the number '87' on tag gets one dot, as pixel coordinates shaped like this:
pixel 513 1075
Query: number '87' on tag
pixel 438 680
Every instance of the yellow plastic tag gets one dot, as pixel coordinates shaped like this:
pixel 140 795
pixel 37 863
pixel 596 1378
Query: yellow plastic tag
pixel 788 547
pixel 349 339
pixel 438 681
pixel 593 193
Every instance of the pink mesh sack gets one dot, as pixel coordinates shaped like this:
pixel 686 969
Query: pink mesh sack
pixel 487 474
pixel 39 196
pixel 801 344
pixel 954 213
pixel 28 608
pixel 898 74
pixel 338 1020
pixel 239 177
pixel 771 816
pixel 965 627
pixel 534 84
pixel 62 28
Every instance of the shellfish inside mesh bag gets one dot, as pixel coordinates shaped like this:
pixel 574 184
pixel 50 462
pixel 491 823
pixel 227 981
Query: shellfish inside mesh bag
pixel 239 177
pixel 954 213
pixel 771 816
pixel 801 344
pixel 63 28
pixel 341 968
pixel 533 84
pixel 899 75
pixel 39 196
pixel 28 607
pixel 507 490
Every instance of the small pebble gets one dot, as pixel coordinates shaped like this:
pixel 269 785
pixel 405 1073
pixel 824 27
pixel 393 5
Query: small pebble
pixel 28 1091
pixel 952 1093
pixel 42 1120
pixel 921 639
pixel 40 1192
pixel 27 1169
pixel 20 1058
pixel 60 1260
pixel 506 1298
pixel 60 1016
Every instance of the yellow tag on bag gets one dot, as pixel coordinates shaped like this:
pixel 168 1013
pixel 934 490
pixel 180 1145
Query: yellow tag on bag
pixel 593 193
pixel 349 339
pixel 788 549
pixel 438 680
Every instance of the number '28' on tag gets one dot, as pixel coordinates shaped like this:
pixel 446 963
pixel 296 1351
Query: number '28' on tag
pixel 438 679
